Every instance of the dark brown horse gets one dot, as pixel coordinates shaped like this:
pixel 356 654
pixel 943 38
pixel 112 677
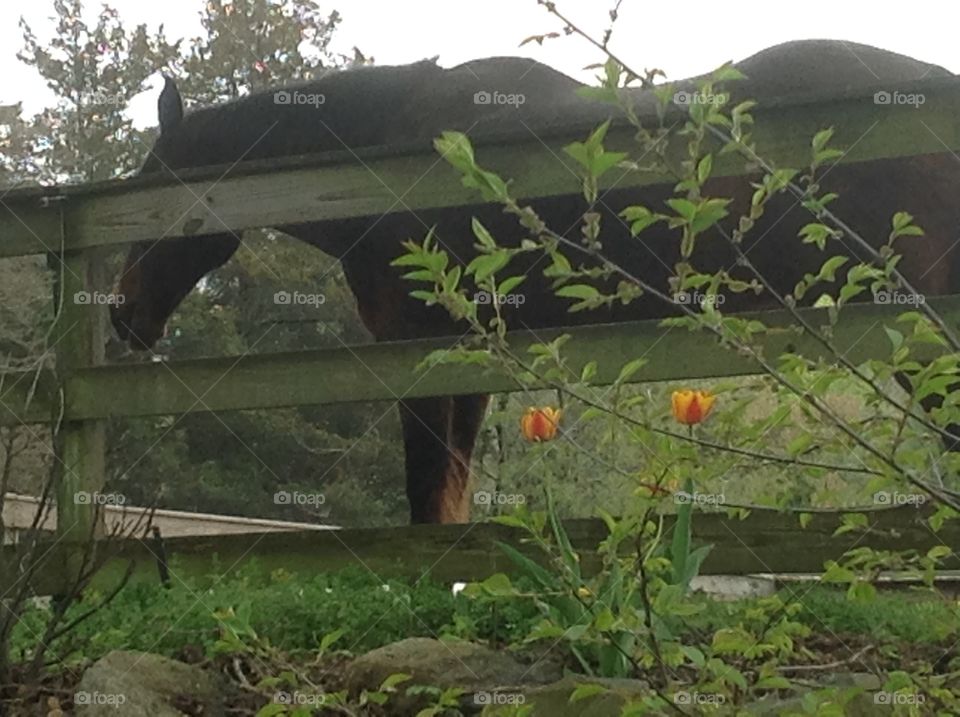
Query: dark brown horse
pixel 389 105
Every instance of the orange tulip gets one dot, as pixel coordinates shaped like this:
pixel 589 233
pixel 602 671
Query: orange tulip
pixel 540 424
pixel 691 407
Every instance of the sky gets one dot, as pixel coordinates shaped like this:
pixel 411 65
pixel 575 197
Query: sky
pixel 682 38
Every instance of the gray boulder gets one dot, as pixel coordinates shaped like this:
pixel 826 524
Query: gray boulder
pixel 139 684
pixel 483 673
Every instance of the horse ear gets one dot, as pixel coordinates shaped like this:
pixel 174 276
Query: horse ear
pixel 169 106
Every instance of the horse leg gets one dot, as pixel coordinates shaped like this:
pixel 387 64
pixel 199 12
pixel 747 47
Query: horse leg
pixel 468 413
pixel 438 436
pixel 426 441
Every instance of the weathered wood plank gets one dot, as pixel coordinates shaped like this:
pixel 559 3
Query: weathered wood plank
pixel 80 445
pixel 27 226
pixel 385 372
pixel 340 186
pixel 757 544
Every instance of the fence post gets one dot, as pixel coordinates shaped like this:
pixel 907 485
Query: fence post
pixel 80 446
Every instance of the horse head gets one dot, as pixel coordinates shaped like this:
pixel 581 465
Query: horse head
pixel 158 275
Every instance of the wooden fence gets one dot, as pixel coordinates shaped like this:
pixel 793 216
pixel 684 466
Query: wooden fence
pixel 76 223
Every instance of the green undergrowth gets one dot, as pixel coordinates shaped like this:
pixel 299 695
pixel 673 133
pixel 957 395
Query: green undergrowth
pixel 294 613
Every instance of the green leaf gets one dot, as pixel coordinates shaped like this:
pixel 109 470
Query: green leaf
pixel 835 573
pixel 330 638
pixel 630 368
pixel 704 168
pixel 532 569
pixel 896 338
pixel 828 271
pixel 774 682
pixel 694 655
pixel 509 284
pixel 393 680
pixel 420 275
pixel 486 264
pixel 732 640
pixel 683 207
pixel 598 135
pixel 727 73
pixel 582 692
pixel 604 620
pixel 578 291
pixel 452 279
pixel 589 371
pixel 426 296
pixel 939 552
pixel 709 213
pixel 271 709
pixel 456 149
pixel 821 138
pixel 862 592
pixel 605 162
pixel 498 585
pixel 640 218
pixel 483 236
pixel 412 259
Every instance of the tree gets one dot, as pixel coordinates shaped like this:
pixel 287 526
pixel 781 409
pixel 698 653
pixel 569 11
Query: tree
pixel 94 72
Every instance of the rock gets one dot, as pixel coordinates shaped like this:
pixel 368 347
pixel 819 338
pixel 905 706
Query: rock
pixel 554 698
pixel 477 669
pixel 139 684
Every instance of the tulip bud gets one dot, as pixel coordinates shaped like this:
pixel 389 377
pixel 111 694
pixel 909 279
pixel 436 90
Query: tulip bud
pixel 691 407
pixel 540 424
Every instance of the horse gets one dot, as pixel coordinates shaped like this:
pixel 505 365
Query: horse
pixel 413 104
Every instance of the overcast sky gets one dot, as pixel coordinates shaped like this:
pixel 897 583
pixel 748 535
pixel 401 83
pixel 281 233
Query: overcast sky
pixel 682 38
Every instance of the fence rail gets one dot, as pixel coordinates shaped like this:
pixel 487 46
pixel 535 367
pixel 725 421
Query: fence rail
pixel 376 181
pixel 763 542
pixel 386 371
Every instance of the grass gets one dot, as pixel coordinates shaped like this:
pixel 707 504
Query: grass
pixel 917 617
pixel 294 614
